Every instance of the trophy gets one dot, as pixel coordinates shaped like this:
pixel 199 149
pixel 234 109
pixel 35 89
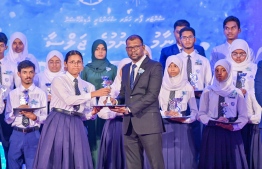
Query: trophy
pixel 193 80
pixel 24 99
pixel 48 85
pixel 242 80
pixel 106 83
pixel 174 105
pixel 224 110
pixel 3 90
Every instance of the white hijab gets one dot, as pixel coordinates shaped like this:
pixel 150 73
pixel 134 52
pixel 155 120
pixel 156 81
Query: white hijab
pixel 51 75
pixel 12 55
pixel 117 82
pixel 240 44
pixel 177 82
pixel 226 87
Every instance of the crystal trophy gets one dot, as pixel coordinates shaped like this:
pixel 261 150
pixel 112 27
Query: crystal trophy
pixel 24 99
pixel 106 84
pixel 224 110
pixel 193 80
pixel 242 79
pixel 174 105
pixel 3 90
pixel 48 85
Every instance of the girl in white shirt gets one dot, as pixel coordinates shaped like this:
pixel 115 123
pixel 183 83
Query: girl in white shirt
pixel 178 146
pixel 111 152
pixel 63 142
pixel 222 144
pixel 242 63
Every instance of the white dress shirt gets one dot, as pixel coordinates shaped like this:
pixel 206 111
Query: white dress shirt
pixel 209 107
pixel 2 104
pixel 37 98
pixel 200 67
pixel 138 64
pixel 63 95
pixel 188 95
pixel 9 74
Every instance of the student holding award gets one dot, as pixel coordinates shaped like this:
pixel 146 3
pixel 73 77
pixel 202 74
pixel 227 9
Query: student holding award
pixel 223 109
pixel 25 136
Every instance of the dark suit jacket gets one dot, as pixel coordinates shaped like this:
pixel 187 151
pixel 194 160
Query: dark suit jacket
pixel 143 99
pixel 173 50
pixel 258 83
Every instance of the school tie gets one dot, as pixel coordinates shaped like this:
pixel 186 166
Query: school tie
pixel 25 120
pixel 132 76
pixel 238 82
pixel 1 73
pixel 77 92
pixel 189 67
pixel 220 108
pixel 171 97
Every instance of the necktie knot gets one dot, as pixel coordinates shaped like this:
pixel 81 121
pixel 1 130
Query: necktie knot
pixel 188 56
pixel 25 91
pixel 75 80
pixel 134 66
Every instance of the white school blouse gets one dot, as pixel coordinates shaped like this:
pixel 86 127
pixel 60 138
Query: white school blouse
pixel 37 98
pixel 188 95
pixel 209 107
pixel 63 95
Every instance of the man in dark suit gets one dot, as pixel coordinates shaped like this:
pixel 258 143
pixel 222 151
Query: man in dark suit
pixel 142 123
pixel 177 47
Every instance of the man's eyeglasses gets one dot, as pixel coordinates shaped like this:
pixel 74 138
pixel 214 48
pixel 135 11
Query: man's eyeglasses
pixel 187 38
pixel 131 48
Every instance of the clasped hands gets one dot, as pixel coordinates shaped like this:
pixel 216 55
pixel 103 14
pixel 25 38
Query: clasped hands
pixel 223 125
pixel 174 114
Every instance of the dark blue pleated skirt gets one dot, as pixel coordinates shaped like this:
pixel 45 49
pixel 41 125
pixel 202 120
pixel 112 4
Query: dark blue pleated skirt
pixel 222 149
pixel 253 145
pixel 179 149
pixel 111 152
pixel 63 144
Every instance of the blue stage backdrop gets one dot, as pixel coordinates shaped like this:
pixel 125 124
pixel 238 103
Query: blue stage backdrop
pixel 74 24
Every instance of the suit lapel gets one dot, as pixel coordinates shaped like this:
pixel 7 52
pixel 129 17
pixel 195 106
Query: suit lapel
pixel 128 74
pixel 143 66
pixel 175 49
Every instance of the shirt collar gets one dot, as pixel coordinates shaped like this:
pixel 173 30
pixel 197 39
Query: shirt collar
pixel 138 64
pixel 191 54
pixel 31 88
pixel 228 45
pixel 72 78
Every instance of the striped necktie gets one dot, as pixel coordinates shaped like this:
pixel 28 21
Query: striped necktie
pixel 77 92
pixel 189 67
pixel 132 76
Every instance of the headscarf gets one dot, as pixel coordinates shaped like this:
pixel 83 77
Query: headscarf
pixel 177 82
pixel 240 44
pixel 226 87
pixel 117 82
pixel 147 48
pixel 98 65
pixel 12 55
pixel 50 75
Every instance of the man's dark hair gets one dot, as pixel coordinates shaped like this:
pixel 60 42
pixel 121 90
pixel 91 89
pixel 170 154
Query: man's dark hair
pixel 231 18
pixel 3 38
pixel 133 37
pixel 187 29
pixel 181 22
pixel 25 64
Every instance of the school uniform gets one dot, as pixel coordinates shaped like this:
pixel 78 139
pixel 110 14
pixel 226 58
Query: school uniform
pixel 25 136
pixel 63 142
pixel 250 132
pixel 220 147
